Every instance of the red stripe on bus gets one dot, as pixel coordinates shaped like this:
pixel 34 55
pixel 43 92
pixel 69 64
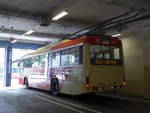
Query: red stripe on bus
pixel 95 40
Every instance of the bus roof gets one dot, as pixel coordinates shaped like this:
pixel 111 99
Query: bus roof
pixel 89 39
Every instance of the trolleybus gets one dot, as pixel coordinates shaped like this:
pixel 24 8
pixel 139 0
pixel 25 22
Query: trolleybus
pixel 87 64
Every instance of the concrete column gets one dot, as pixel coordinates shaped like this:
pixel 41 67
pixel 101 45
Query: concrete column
pixel 8 66
pixel 134 70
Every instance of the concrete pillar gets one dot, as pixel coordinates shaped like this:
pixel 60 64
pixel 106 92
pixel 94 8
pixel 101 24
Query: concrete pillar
pixel 134 71
pixel 137 66
pixel 8 66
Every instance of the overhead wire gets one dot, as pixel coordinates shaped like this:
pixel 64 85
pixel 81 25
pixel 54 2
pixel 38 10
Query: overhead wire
pixel 104 23
pixel 125 22
pixel 114 22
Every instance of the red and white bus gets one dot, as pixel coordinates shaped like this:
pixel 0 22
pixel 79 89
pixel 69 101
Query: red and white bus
pixel 87 64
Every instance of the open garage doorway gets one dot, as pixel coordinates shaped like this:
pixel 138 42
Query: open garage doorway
pixel 16 72
pixel 2 60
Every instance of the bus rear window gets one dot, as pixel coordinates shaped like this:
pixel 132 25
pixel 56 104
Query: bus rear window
pixel 105 55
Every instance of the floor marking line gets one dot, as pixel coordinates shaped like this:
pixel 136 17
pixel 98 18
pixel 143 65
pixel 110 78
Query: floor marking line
pixel 69 103
pixel 59 104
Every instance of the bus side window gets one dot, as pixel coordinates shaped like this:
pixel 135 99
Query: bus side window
pixel 28 62
pixel 65 58
pixel 35 61
pixel 71 56
pixel 42 61
pixel 49 60
pixel 74 56
pixel 55 59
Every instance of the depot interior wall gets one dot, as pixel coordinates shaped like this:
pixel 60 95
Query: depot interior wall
pixel 137 66
pixel 146 59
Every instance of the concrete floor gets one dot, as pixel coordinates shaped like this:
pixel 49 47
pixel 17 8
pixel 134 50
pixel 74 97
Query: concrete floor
pixel 36 101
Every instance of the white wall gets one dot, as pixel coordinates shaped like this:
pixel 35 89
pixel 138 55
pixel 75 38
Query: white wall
pixel 137 66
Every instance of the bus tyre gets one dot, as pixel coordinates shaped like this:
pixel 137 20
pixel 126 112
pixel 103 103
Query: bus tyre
pixel 26 83
pixel 55 87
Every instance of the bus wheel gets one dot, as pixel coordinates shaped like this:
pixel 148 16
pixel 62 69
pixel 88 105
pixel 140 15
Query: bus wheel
pixel 26 83
pixel 55 87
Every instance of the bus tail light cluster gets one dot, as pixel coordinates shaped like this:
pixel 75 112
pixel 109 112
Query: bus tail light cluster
pixel 87 85
pixel 124 83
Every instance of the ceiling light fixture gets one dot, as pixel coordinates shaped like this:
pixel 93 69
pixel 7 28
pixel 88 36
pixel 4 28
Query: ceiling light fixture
pixel 116 35
pixel 29 32
pixel 62 14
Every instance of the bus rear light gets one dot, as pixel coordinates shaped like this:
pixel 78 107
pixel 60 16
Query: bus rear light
pixel 124 83
pixel 87 85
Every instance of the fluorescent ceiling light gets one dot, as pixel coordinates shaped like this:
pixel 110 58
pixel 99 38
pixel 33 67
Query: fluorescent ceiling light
pixel 62 14
pixel 116 35
pixel 29 32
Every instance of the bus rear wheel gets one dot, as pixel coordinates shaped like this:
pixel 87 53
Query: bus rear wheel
pixel 55 87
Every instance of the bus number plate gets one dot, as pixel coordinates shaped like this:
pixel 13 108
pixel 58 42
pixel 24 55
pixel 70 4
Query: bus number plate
pixel 108 88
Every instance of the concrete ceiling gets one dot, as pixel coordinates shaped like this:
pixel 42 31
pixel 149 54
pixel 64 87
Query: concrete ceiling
pixel 19 16
pixel 29 7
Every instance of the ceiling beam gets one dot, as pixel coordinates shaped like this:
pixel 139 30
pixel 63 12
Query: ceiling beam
pixel 20 45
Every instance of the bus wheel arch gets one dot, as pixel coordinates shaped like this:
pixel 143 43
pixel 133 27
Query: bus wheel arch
pixel 54 86
pixel 26 82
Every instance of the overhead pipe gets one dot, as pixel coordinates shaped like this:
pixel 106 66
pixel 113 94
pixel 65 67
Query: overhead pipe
pixel 115 21
pixel 125 22
pixel 105 21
